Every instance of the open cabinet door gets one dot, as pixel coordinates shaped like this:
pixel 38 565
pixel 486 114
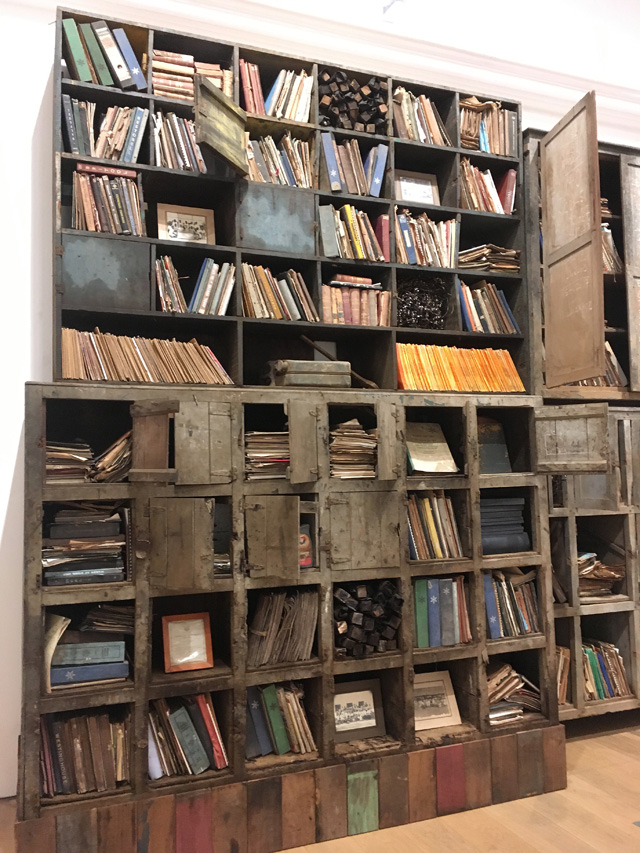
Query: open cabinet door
pixel 572 247
pixel 630 181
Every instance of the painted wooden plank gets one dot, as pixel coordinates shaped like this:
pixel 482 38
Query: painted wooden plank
pixel 422 785
pixel 220 124
pixel 477 771
pixel 362 797
pixel 303 440
pixel 530 763
pixel 264 815
pixel 76 832
pixel 229 817
pixel 450 783
pixel 572 438
pixel 298 809
pixel 331 802
pixel 388 466
pixel 150 445
pixel 36 836
pixel 116 828
pixel 504 768
pixel 156 825
pixel 554 759
pixel 158 541
pixel 393 790
pixel 193 823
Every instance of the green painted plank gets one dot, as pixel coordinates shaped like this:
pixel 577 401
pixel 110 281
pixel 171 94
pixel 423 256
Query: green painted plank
pixel 362 801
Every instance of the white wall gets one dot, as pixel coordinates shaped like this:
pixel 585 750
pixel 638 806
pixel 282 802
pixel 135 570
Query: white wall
pixel 547 56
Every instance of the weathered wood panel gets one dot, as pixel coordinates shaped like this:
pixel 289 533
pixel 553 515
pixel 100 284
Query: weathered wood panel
pixel 203 443
pixel 362 797
pixel 364 530
pixel 572 438
pixel 76 832
pixel 388 445
pixel 229 818
pixel 303 440
pixel 181 552
pixel 504 768
pixel 477 771
pixel 36 836
pixel 530 763
pixel 264 815
pixel 630 183
pixel 393 787
pixel 116 828
pixel 331 802
pixel 555 759
pixel 156 825
pixel 298 809
pixel 272 525
pixel 422 785
pixel 193 823
pixel 450 783
pixel 220 124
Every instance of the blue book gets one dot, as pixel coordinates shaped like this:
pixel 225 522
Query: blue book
pixel 198 291
pixel 130 58
pixel 275 90
pixel 332 164
pixel 132 135
pixel 483 139
pixel 509 313
pixel 377 180
pixel 433 592
pixel 254 707
pixel 466 320
pixel 447 632
pixel 291 178
pixel 491 606
pixel 82 654
pixel 61 675
pixel 605 674
pixel 408 239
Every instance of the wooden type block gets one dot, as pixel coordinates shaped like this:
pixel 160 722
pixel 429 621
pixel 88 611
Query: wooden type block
pixel 331 802
pixel 477 772
pixel 298 809
pixel 422 785
pixel 156 825
pixel 76 832
pixel 504 768
pixel 362 797
pixel 36 836
pixel 229 817
pixel 530 763
pixel 264 815
pixel 193 823
pixel 393 790
pixel 450 783
pixel 554 759
pixel 115 828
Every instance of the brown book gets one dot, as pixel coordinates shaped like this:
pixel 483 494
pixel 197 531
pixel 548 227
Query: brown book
pixel 347 168
pixel 95 743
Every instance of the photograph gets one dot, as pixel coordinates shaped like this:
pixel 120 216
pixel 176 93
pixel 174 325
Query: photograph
pixel 418 187
pixel 357 709
pixel 434 701
pixel 192 224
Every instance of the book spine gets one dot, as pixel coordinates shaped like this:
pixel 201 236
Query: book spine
pixel 76 654
pixel 331 163
pixel 70 124
pixel 377 181
pixel 434 612
pixel 76 51
pixel 421 613
pixel 189 741
pixel 91 672
pixel 130 58
pixel 113 55
pixel 275 720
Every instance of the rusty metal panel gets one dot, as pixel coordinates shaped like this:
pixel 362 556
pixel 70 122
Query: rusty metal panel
pixel 274 218
pixel 572 438
pixel 303 441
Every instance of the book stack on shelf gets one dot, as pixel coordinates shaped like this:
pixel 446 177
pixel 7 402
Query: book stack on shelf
pixel 353 450
pixel 277 721
pixel 359 303
pixel 485 309
pixel 211 294
pixel 441 609
pixel 107 200
pixel 434 368
pixel 349 233
pixel 433 529
pixel 96 54
pixel 511 603
pixel 283 627
pixel 502 521
pixel 490 258
pixel 595 579
pixel 604 671
pixel 290 96
pixel 511 695
pixel 174 143
pixel 347 172
pixel 486 126
pixel 417 118
pixel 479 191
pixel 172 75
pixel 266 455
pixel 288 163
pixel 420 240
pixel 563 668
pixel 282 297
pixel 120 135
pixel 366 618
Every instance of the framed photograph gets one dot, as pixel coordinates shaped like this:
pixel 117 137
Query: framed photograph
pixel 190 224
pixel 417 186
pixel 434 701
pixel 357 710
pixel 186 638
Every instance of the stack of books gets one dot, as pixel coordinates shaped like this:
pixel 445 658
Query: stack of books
pixel 106 199
pixel 84 752
pixel 432 368
pixel 346 171
pixel 266 455
pixel 433 529
pixel 67 461
pixel 117 618
pixel 97 356
pixel 420 240
pixel 595 579
pixel 277 721
pixel 184 737
pixel 417 118
pixel 614 376
pixel 289 98
pixel 510 694
pixel 172 75
pixel 478 190
pixel 353 450
pixel 283 297
pixel 485 126
pixel 174 143
pixel 113 465
pixel 563 662
pixel 490 257
pixel 427 449
pixel 366 618
pixel 360 303
pixel 289 163
pixel 502 524
pixel 604 672
pixel 85 544
pixel 121 131
pixel 283 627
pixel 611 260
pixel 348 233
pixel 441 612
pixel 485 309
pixel 96 54
pixel 211 294
pixel 511 602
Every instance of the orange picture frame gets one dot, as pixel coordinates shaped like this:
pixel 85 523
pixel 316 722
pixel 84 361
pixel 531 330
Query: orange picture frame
pixel 187 648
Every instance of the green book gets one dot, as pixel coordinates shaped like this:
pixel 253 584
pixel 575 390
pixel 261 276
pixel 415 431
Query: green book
pixel 76 51
pixel 97 57
pixel 275 720
pixel 421 613
pixel 597 677
pixel 185 731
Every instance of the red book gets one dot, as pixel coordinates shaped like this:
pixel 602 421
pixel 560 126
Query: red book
pixel 249 104
pixel 326 304
pixel 256 88
pixel 506 187
pixel 106 170
pixel 212 730
pixel 354 297
pixel 346 305
pixel 381 229
pixel 353 279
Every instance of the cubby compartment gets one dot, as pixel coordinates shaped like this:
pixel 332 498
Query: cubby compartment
pixel 451 421
pixel 190 736
pixel 334 108
pixel 368 712
pixel 443 100
pixel 269 68
pixel 610 184
pixel 558 487
pixel 188 262
pixel 213 614
pixel 183 110
pixel 565 664
pixel 508 520
pixel 445 697
pixel 215 53
pixel 416 167
pixel 562 576
pixel 444 611
pixel 446 256
pixel 367 618
pixel 427 302
pixel 498 172
pixel 609 660
pixel 284 723
pixel 363 442
pixel 514 607
pixel 504 440
pixel 282 157
pixel 516 687
pixel 439 525
pixel 379 184
pixel 488 309
pixel 608 538
pixel 281 443
pixel 86 753
pixel 282 268
pixel 281 537
pixel 282 627
pixel 366 304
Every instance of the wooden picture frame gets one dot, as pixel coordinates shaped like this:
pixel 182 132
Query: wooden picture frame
pixel 186 224
pixel 365 717
pixel 418 187
pixel 186 639
pixel 434 701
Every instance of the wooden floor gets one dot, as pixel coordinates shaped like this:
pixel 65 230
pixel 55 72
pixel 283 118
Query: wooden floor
pixel 597 812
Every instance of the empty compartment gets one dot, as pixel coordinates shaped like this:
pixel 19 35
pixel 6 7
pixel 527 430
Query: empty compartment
pixel 504 440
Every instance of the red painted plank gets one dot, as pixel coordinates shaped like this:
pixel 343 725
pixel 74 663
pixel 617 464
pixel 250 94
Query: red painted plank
pixel 393 790
pixel 193 823
pixel 450 782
